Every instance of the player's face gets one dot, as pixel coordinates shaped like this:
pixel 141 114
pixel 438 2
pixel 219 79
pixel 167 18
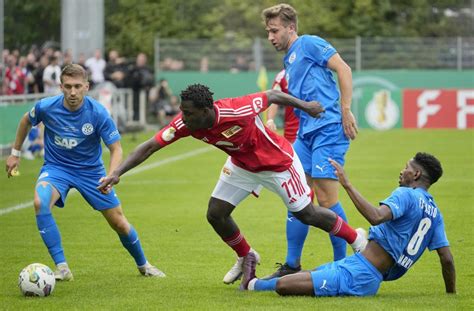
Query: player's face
pixel 407 175
pixel 194 118
pixel 74 90
pixel 279 35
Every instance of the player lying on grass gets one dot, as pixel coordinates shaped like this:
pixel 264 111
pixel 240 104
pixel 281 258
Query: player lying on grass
pixel 257 157
pixel 74 126
pixel 404 225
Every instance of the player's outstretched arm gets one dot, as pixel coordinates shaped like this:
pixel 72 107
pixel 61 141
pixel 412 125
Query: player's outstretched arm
pixel 14 160
pixel 373 214
pixel 447 267
pixel 313 108
pixel 344 78
pixel 140 154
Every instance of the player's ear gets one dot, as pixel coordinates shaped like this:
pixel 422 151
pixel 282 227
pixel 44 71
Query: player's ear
pixel 417 175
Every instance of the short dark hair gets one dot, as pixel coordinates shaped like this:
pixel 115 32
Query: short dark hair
pixel 199 95
pixel 430 164
pixel 74 70
pixel 284 11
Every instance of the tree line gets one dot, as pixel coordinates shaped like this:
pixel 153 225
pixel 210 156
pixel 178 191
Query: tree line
pixel 131 26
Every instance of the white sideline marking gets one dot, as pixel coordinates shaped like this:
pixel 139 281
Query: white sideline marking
pixel 134 171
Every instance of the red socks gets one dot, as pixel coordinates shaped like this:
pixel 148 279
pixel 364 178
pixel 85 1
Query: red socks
pixel 238 244
pixel 342 230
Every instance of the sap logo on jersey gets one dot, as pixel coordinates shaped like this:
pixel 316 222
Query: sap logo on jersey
pixel 66 142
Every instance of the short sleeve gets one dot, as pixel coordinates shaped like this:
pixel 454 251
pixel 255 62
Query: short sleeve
pixel 109 131
pixel 398 202
pixel 251 104
pixel 318 50
pixel 35 114
pixel 439 238
pixel 175 130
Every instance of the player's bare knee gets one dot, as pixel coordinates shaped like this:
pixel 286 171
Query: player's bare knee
pixel 282 288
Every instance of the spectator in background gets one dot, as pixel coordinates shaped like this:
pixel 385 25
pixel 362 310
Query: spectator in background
pixel 51 75
pixel 14 82
pixel 81 61
pixel 160 101
pixel 38 73
pixel 141 78
pixel 240 64
pixel 30 68
pixel 116 69
pixel 96 66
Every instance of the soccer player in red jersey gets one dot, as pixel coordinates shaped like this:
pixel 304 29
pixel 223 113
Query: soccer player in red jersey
pixel 290 120
pixel 258 158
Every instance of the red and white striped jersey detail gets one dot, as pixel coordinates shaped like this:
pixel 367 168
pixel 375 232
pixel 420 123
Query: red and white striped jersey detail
pixel 238 131
pixel 228 113
pixel 179 123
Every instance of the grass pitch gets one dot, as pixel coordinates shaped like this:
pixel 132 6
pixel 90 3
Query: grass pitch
pixel 166 200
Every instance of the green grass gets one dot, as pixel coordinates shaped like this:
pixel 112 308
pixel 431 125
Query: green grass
pixel 167 205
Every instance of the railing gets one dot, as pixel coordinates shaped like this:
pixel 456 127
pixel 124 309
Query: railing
pixel 360 53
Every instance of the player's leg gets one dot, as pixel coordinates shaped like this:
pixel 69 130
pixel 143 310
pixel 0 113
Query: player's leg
pixel 234 185
pixel 330 142
pixel 51 189
pixel 109 206
pixel 327 194
pixel 295 192
pixel 296 231
pixel 130 240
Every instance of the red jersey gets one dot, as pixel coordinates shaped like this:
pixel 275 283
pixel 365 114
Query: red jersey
pixel 239 132
pixel 290 122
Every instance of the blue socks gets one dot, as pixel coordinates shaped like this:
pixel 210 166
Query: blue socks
pixel 266 285
pixel 132 244
pixel 296 233
pixel 338 245
pixel 51 237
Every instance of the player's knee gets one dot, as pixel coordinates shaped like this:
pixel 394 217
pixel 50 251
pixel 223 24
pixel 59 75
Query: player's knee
pixel 282 288
pixel 216 211
pixel 42 199
pixel 122 226
pixel 306 215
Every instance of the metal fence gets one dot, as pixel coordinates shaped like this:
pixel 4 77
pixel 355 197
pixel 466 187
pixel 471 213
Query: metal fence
pixel 360 53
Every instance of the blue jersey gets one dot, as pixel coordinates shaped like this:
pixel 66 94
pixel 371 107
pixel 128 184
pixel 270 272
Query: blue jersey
pixel 72 138
pixel 417 224
pixel 309 79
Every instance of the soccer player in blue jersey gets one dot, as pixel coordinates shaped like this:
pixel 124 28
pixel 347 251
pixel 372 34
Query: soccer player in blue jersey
pixel 74 126
pixel 309 62
pixel 403 226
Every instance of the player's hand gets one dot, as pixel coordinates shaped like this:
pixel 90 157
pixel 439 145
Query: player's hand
pixel 314 109
pixel 271 125
pixel 340 173
pixel 349 124
pixel 12 165
pixel 107 182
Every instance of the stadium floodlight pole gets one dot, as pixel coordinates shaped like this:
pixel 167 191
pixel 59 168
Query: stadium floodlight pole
pixel 1 39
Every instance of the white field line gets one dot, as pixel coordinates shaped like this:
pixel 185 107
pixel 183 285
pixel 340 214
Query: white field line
pixel 134 171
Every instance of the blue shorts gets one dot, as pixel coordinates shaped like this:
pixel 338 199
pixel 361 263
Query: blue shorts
pixel 316 147
pixel 351 276
pixel 83 180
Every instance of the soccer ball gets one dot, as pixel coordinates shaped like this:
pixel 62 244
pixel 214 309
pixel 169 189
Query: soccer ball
pixel 36 280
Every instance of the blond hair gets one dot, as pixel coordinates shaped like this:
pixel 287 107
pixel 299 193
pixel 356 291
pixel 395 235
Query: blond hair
pixel 284 11
pixel 74 70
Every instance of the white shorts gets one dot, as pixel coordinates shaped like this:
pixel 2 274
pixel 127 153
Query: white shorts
pixel 235 184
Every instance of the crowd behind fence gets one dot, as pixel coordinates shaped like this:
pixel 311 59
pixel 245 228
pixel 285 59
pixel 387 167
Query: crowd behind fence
pixel 360 53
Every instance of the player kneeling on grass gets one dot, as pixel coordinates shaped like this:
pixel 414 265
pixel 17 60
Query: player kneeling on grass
pixel 257 157
pixel 405 224
pixel 74 126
